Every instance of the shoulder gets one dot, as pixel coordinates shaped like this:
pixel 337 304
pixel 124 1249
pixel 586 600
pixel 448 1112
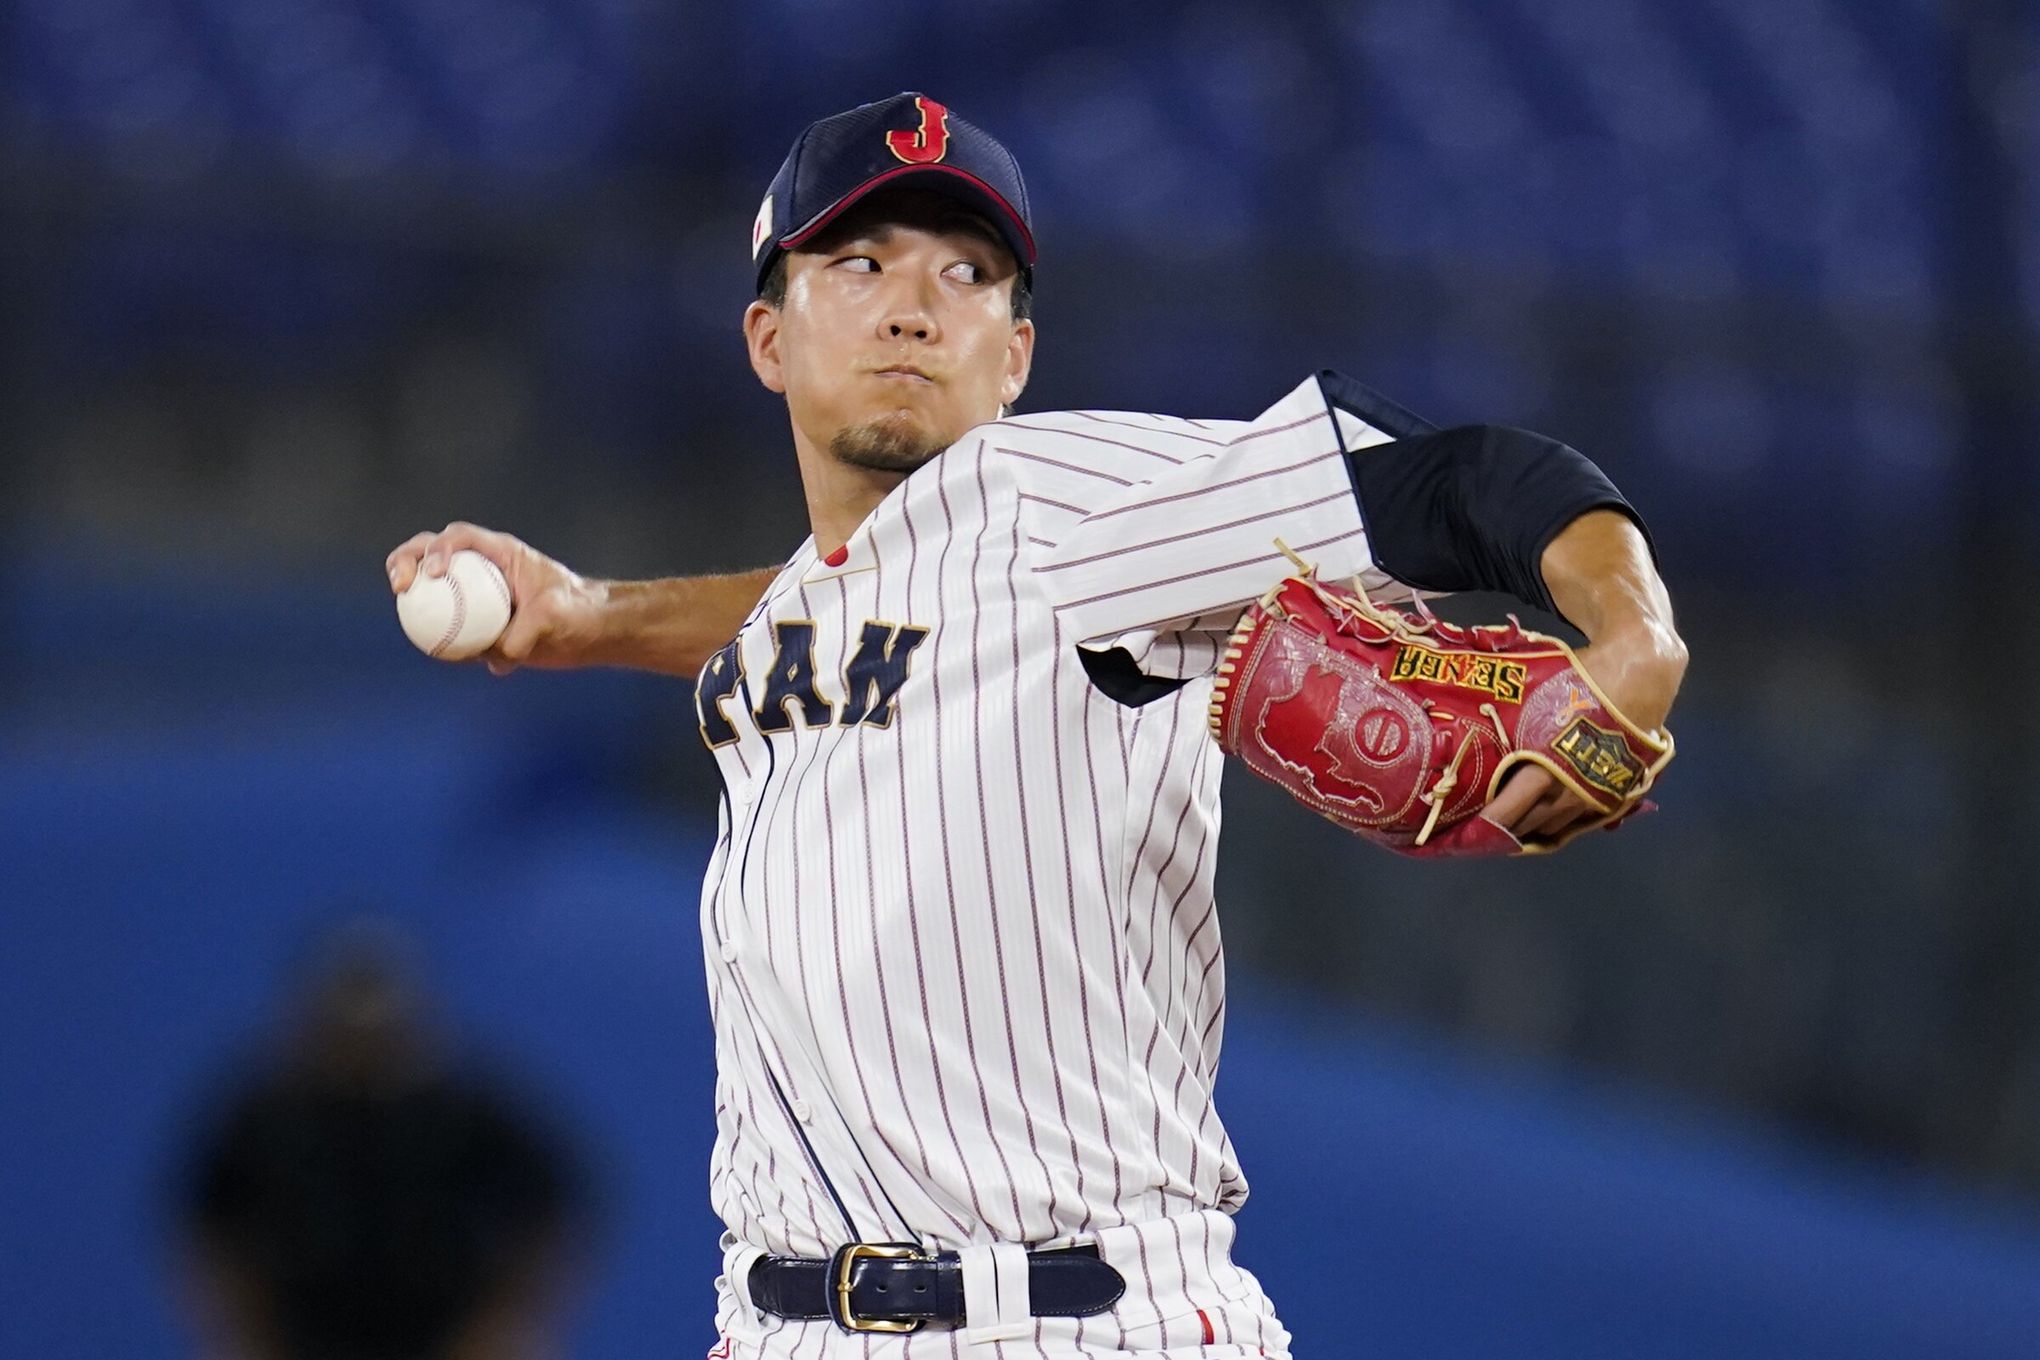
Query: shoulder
pixel 1095 451
pixel 1145 429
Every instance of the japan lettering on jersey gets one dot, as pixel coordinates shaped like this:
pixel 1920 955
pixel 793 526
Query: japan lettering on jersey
pixel 962 949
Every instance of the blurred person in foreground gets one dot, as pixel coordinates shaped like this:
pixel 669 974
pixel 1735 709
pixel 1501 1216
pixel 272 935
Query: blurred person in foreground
pixel 357 1198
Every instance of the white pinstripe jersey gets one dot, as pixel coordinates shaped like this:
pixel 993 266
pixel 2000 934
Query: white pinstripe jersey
pixel 962 950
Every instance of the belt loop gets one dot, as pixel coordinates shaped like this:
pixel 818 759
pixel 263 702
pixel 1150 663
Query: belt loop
pixel 996 1305
pixel 737 1263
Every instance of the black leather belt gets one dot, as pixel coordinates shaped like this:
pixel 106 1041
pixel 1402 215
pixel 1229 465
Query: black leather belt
pixel 894 1287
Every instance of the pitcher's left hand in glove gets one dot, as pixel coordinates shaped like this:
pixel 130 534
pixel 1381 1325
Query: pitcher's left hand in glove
pixel 1401 728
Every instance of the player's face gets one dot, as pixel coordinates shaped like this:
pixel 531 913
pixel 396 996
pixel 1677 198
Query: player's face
pixel 897 333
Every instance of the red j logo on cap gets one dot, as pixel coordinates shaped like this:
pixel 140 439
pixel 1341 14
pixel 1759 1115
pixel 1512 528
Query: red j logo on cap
pixel 926 144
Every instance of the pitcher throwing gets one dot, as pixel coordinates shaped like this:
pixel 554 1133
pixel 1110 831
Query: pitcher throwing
pixel 962 951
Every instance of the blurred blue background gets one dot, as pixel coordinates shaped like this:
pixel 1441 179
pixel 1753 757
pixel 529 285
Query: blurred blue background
pixel 287 280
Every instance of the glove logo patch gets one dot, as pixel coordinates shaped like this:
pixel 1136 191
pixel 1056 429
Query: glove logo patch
pixel 1598 756
pixel 1487 674
pixel 1380 736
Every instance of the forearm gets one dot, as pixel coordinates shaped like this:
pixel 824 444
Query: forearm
pixel 672 625
pixel 1599 572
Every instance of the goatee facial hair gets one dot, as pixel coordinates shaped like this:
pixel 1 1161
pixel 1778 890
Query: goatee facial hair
pixel 888 444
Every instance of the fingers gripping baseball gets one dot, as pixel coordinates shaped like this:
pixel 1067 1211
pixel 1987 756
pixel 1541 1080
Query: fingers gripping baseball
pixel 426 553
pixel 553 609
pixel 529 628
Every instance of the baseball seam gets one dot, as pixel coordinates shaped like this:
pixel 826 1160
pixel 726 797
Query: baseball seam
pixel 453 625
pixel 500 582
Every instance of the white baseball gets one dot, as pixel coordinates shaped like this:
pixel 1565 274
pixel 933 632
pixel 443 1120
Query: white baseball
pixel 460 614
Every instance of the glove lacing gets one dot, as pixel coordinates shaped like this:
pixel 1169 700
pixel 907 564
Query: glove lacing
pixel 1448 781
pixel 1396 622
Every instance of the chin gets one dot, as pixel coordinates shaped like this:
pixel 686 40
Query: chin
pixel 898 441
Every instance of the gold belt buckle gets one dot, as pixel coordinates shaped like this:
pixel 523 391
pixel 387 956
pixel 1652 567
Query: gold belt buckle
pixel 846 1261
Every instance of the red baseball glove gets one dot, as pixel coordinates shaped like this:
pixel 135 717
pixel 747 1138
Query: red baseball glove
pixel 1401 727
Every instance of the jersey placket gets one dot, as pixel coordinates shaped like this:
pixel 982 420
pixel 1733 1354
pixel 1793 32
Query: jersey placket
pixel 794 1080
pixel 748 766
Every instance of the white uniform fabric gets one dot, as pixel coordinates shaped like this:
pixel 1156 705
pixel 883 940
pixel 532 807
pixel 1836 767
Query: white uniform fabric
pixel 962 950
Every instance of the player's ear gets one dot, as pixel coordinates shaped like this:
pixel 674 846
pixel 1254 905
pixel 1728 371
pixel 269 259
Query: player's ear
pixel 761 337
pixel 1019 362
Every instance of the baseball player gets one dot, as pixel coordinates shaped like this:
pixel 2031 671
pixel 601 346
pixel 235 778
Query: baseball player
pixel 962 953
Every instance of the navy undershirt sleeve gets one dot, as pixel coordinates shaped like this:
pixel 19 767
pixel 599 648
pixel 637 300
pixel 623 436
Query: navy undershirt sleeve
pixel 1473 508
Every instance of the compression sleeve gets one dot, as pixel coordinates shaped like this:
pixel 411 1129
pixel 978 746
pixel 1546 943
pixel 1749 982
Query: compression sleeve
pixel 1473 508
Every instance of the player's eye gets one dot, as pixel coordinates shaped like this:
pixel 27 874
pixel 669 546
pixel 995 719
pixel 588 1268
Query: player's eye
pixel 858 264
pixel 966 271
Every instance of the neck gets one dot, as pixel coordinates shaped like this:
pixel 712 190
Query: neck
pixel 839 497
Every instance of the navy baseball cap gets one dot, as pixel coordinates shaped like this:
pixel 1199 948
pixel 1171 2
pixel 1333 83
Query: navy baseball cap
pixel 908 137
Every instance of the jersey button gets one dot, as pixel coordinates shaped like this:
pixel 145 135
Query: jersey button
pixel 802 1112
pixel 728 951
